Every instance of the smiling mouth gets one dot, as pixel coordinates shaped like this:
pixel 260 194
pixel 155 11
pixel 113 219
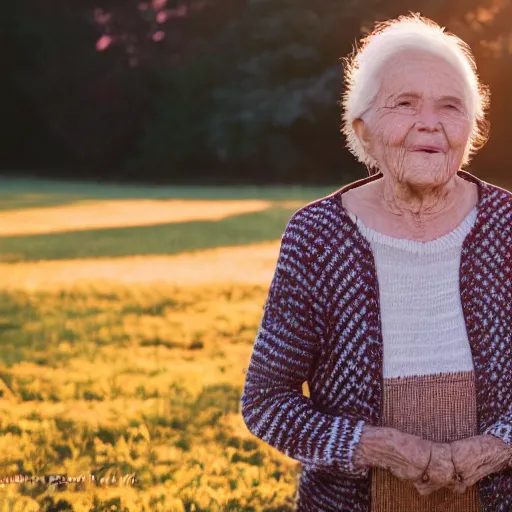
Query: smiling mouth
pixel 427 150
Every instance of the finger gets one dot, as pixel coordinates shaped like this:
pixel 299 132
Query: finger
pixel 460 484
pixel 425 489
pixel 440 480
pixel 401 475
pixel 472 478
pixel 460 487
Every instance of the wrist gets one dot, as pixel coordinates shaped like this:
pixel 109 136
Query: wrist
pixel 503 456
pixel 363 451
pixel 389 448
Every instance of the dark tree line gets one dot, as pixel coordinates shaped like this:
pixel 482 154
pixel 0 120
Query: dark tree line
pixel 204 91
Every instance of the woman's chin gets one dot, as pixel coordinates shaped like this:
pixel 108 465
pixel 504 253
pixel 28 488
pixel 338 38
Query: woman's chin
pixel 427 175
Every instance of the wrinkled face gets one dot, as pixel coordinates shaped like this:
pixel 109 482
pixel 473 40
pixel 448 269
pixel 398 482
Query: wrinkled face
pixel 419 125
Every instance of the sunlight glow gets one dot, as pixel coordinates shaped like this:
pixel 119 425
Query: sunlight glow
pixel 248 264
pixel 120 213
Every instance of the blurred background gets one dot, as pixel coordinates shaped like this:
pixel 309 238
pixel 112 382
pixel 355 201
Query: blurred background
pixel 203 91
pixel 151 154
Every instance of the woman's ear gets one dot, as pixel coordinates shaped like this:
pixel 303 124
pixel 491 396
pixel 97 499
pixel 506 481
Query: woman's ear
pixel 363 132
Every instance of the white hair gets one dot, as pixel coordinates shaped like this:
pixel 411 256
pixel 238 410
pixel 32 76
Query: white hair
pixel 412 32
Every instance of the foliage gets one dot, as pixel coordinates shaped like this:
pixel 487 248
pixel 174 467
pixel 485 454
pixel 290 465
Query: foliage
pixel 193 90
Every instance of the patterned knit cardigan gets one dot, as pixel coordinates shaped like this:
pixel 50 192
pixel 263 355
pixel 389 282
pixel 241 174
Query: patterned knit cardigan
pixel 321 324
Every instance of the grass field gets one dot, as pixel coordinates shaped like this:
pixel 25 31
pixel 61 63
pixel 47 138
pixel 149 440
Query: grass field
pixel 127 318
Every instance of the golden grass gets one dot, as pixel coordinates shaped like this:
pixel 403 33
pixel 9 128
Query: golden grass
pixel 250 264
pixel 168 413
pixel 136 365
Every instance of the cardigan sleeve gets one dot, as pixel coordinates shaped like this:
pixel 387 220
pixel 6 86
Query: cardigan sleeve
pixel 502 429
pixel 273 407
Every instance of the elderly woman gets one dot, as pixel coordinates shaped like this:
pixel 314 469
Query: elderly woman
pixel 392 299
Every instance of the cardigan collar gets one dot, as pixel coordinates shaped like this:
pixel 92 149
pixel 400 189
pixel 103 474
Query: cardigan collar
pixel 484 197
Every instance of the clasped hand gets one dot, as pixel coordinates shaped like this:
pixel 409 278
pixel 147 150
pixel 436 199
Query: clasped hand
pixel 458 465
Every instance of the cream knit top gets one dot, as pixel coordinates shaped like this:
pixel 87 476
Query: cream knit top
pixel 422 321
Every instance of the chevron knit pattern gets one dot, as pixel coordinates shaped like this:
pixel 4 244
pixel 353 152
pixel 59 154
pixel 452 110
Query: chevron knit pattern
pixel 321 324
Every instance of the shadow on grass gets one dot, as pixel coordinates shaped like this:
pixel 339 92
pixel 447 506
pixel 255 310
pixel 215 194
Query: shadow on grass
pixel 165 239
pixel 32 193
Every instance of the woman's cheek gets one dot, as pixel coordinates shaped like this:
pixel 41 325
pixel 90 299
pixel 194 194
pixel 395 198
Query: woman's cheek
pixel 457 134
pixel 394 129
pixel 457 129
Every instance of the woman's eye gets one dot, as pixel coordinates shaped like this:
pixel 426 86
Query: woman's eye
pixel 403 104
pixel 449 106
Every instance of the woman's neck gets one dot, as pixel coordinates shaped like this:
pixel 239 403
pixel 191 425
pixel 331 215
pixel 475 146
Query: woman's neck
pixel 418 207
pixel 399 217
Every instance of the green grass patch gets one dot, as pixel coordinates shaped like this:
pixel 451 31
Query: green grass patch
pixel 35 193
pixel 166 239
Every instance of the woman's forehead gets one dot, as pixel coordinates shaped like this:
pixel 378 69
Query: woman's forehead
pixel 420 73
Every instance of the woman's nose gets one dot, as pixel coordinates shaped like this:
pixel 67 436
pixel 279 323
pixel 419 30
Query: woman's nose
pixel 428 119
